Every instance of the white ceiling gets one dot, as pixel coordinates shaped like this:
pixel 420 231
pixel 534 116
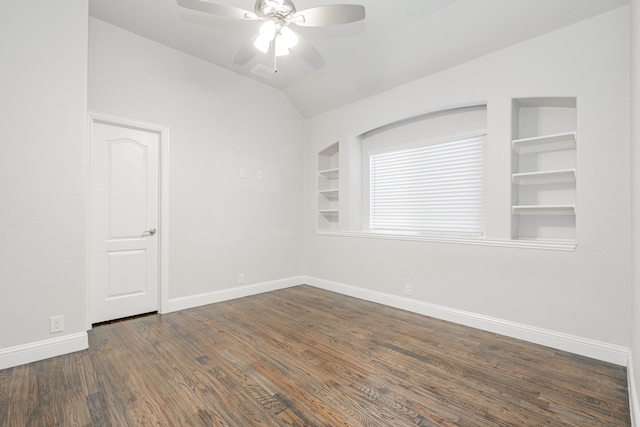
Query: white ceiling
pixel 399 41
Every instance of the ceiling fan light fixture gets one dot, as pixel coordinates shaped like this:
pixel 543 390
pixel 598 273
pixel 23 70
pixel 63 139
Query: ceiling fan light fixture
pixel 288 37
pixel 281 47
pixel 262 43
pixel 268 30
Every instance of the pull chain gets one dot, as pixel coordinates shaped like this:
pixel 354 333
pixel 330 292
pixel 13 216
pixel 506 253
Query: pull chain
pixel 275 61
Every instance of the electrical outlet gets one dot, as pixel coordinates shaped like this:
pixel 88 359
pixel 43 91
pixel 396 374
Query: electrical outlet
pixel 407 289
pixel 259 175
pixel 243 173
pixel 56 324
pixel 240 278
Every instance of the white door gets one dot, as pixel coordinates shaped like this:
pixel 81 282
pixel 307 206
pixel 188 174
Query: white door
pixel 124 221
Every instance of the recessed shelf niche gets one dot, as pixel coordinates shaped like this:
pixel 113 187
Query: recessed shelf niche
pixel 328 188
pixel 544 168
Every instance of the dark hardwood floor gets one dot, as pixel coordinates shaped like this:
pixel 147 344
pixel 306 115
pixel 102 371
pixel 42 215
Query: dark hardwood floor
pixel 308 357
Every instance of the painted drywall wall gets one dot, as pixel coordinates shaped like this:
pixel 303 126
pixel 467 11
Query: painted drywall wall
pixel 635 192
pixel 583 293
pixel 221 225
pixel 43 52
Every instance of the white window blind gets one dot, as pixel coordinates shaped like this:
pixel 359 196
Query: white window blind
pixel 436 188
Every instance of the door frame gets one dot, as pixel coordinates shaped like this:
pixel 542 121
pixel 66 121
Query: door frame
pixel 163 208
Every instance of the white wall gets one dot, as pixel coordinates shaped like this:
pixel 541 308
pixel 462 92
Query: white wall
pixel 583 293
pixel 635 195
pixel 220 225
pixel 43 52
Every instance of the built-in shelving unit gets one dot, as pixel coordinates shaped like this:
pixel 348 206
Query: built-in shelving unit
pixel 328 188
pixel 544 169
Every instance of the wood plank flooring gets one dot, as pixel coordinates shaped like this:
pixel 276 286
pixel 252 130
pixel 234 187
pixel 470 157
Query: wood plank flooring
pixel 308 357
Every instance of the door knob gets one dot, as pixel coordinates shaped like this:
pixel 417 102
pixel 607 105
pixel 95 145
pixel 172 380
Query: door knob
pixel 152 231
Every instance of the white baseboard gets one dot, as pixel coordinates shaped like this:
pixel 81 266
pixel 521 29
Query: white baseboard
pixel 583 346
pixel 634 403
pixel 198 300
pixel 39 350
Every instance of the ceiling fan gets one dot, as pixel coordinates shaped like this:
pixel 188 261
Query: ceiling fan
pixel 277 16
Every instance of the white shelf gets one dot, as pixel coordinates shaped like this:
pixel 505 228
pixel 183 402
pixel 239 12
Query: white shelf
pixel 330 173
pixel 554 142
pixel 329 194
pixel 544 177
pixel 328 211
pixel 567 242
pixel 544 210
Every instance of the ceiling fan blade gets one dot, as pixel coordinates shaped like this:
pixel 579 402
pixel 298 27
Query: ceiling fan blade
pixel 335 14
pixel 218 9
pixel 246 52
pixel 308 53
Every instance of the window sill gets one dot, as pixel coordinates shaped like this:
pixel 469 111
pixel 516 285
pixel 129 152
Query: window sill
pixel 552 245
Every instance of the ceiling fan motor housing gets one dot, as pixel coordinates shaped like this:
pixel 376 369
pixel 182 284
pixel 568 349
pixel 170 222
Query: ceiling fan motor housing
pixel 281 9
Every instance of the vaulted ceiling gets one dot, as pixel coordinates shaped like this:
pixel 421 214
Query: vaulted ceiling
pixel 399 41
